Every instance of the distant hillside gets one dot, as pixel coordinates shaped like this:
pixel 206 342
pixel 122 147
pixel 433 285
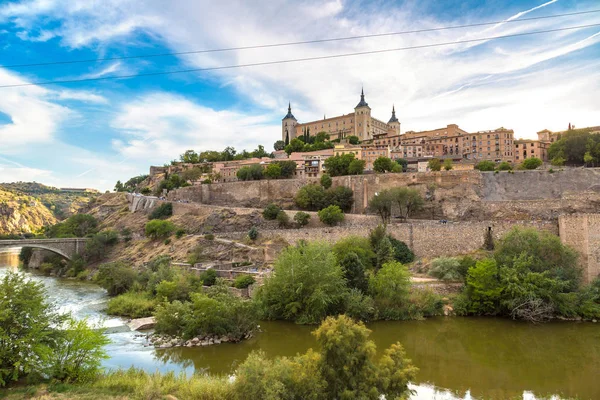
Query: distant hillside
pixel 61 203
pixel 20 213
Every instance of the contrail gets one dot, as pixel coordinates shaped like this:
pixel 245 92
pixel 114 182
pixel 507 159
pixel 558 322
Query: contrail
pixel 519 15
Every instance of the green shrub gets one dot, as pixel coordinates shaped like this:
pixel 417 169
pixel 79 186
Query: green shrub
pixel 483 288
pixel 434 164
pixel 196 255
pixel 505 166
pixel 209 236
pixel 390 289
pixel 446 269
pixel 302 218
pixel 253 233
pixel 551 171
pixel 131 305
pixel 532 163
pixel 167 241
pixel 331 215
pixel 355 245
pixel 97 247
pixel 270 212
pixel 243 281
pixel 359 306
pixel 485 165
pixel 326 181
pixel 179 233
pixel 159 229
pixel 424 303
pixel 116 277
pixel 283 219
pixel 163 211
pixel 208 277
pixel 402 253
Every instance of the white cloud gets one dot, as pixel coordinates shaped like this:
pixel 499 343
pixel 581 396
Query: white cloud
pixel 160 125
pixel 86 97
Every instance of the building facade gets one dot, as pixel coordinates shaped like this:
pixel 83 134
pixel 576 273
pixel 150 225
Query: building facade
pixel 359 123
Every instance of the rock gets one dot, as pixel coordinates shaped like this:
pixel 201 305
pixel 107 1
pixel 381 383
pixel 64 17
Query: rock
pixel 141 324
pixel 195 340
pixel 217 341
pixel 224 339
pixel 594 321
pixel 205 343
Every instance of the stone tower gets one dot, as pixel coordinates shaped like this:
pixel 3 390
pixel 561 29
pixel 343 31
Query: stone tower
pixel 393 123
pixel 288 126
pixel 362 119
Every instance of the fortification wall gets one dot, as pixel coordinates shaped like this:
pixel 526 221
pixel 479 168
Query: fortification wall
pixel 454 195
pixel 582 232
pixel 426 239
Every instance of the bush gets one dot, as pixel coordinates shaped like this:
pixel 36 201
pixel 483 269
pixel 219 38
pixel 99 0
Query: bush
pixel 448 164
pixel 37 341
pixel 485 166
pixel 208 277
pixel 331 215
pixel 157 228
pixel 306 285
pixel 434 164
pixel 390 289
pixel 270 212
pixel 251 173
pixel 163 211
pixel 359 306
pixel 302 218
pixel 326 181
pixel 357 245
pixel 505 166
pixel 179 233
pixel 209 236
pixel 116 278
pixel 532 163
pixel 96 247
pixel 167 241
pixel 446 269
pixel 253 233
pixel 243 281
pixel 131 305
pixel 356 167
pixel 383 164
pixel 402 253
pixel 219 314
pixel 311 197
pixel 283 219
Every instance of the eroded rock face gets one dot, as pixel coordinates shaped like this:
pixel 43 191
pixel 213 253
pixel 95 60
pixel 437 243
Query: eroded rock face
pixel 19 213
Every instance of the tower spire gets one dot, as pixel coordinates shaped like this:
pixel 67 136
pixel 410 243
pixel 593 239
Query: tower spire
pixel 362 103
pixel 289 113
pixel 393 119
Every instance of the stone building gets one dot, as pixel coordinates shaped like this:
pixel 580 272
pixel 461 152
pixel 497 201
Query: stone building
pixel 359 123
pixel 527 148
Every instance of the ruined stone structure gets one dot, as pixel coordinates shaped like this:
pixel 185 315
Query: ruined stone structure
pixel 64 247
pixel 582 232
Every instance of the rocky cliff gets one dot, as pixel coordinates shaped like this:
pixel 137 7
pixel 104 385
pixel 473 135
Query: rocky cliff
pixel 21 213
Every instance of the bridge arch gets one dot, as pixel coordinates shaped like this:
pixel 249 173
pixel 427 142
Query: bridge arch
pixel 66 248
pixel 49 248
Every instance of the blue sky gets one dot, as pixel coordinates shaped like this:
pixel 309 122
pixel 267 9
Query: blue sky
pixel 93 133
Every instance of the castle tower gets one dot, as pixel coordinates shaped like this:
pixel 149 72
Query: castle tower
pixel 288 126
pixel 362 119
pixel 393 123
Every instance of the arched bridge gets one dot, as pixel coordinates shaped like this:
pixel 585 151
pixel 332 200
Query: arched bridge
pixel 67 248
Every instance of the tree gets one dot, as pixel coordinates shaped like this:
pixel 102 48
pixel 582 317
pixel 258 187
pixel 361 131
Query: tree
pixel 402 253
pixel 283 219
pixel 311 197
pixel 356 167
pixel 116 277
pixel 355 245
pixel 531 163
pixel 191 174
pixel 448 164
pixel 403 163
pixel 302 218
pixel 352 139
pixel 273 171
pixel 384 252
pixel 341 196
pixel 483 288
pixel 390 287
pixel 157 229
pixel 270 212
pixel 296 145
pixel 119 187
pixel 354 272
pixel 383 164
pixel 485 165
pixel 279 145
pixel 78 225
pixel 407 200
pixel 326 181
pixel 190 156
pixel 588 158
pixel 446 269
pixel 307 284
pixel 288 168
pixel 381 204
pixel 558 161
pixel 163 211
pixel 251 173
pixel 339 165
pixel 331 215
pixel 434 164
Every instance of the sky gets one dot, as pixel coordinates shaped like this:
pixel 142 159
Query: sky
pixel 93 133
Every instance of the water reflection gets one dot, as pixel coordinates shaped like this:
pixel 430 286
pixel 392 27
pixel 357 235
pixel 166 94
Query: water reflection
pixel 471 358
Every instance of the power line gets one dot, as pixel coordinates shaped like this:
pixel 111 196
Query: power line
pixel 297 59
pixel 295 43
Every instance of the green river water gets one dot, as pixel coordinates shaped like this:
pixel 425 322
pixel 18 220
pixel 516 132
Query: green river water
pixel 458 358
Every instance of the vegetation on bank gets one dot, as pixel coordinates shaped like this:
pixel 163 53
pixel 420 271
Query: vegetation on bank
pixel 576 147
pixel 344 366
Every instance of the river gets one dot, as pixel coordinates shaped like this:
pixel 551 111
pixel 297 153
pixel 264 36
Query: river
pixel 458 358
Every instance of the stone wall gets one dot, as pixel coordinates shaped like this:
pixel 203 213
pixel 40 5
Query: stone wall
pixel 426 239
pixel 455 195
pixel 582 232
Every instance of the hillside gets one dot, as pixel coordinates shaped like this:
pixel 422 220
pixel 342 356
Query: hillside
pixel 62 204
pixel 20 213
